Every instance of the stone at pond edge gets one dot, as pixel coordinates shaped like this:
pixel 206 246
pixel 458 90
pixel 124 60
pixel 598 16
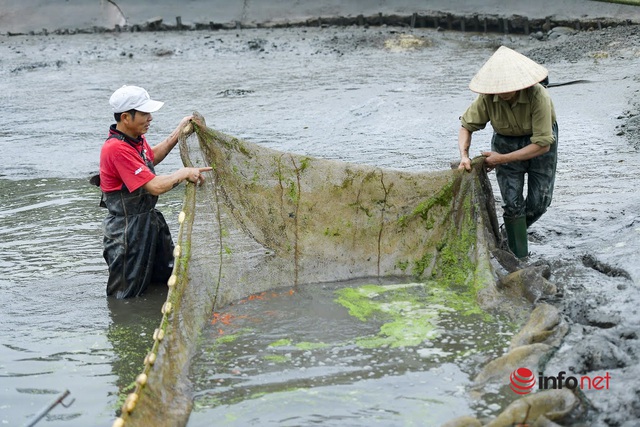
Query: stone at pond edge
pixel 499 369
pixel 545 325
pixel 546 405
pixel 540 409
pixel 528 283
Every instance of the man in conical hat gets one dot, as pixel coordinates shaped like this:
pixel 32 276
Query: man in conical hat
pixel 525 138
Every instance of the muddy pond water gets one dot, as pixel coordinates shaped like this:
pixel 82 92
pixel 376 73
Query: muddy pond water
pixel 326 92
pixel 344 354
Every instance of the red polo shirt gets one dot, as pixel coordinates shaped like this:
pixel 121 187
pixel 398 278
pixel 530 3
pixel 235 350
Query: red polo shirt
pixel 121 162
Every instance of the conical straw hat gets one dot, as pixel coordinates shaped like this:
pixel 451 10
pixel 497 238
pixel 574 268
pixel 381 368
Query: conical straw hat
pixel 507 71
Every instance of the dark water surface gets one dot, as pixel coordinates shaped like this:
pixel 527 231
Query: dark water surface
pixel 335 93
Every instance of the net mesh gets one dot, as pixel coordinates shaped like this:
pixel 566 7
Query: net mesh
pixel 266 219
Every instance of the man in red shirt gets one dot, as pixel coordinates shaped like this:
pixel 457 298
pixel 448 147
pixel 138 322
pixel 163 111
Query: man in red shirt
pixel 137 243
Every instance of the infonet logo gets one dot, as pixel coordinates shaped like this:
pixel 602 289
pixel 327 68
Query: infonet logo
pixel 523 381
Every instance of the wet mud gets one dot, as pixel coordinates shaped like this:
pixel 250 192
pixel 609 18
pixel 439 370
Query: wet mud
pixel 401 113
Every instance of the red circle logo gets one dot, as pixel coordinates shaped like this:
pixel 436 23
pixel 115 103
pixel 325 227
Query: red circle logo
pixel 522 380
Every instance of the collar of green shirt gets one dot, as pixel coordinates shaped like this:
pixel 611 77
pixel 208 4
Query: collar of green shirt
pixel 523 97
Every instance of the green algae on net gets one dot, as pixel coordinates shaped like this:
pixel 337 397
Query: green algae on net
pixel 266 219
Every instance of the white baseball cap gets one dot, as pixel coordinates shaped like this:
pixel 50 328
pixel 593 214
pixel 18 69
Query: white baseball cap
pixel 133 98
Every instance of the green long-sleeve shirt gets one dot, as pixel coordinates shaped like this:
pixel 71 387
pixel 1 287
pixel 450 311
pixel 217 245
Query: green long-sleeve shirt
pixel 532 114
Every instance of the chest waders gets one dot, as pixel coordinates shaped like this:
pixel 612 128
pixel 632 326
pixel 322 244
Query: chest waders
pixel 137 242
pixel 521 212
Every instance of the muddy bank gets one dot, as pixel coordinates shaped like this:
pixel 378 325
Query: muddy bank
pixel 364 103
pixel 521 17
pixel 598 297
pixel 614 43
pixel 512 24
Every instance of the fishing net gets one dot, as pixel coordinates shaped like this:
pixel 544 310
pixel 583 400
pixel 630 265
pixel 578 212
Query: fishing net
pixel 266 219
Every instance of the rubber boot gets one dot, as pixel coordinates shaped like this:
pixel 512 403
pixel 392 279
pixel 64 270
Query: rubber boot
pixel 517 235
